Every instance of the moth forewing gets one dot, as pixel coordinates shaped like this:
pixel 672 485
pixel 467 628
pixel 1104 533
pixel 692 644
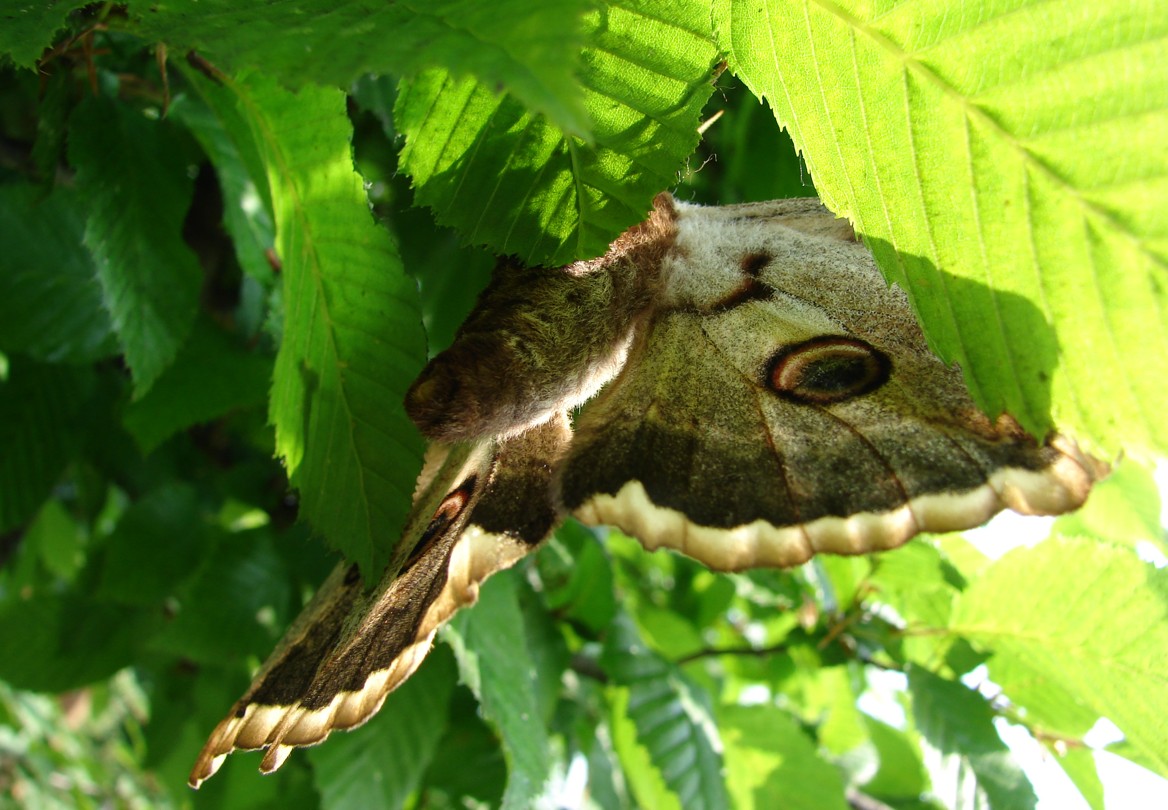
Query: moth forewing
pixel 351 645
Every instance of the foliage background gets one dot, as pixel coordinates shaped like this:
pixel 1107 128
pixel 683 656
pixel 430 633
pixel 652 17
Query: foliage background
pixel 190 279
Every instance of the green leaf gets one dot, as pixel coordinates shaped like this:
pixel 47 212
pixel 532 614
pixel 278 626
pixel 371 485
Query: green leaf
pixel 645 780
pixel 954 135
pixel 26 30
pixel 468 763
pixel 829 702
pixel 672 717
pixel 382 763
pixel 1078 630
pixel 901 773
pixel 550 654
pixel 52 643
pixel 41 421
pixel 744 126
pixel 920 585
pixel 606 786
pixel 217 125
pixel 495 662
pixel 54 104
pixel 509 178
pixel 211 376
pixel 958 722
pixel 577 578
pixel 352 336
pixel 527 48
pixel 50 307
pixel 230 610
pixel 770 762
pixel 1079 765
pixel 1124 507
pixel 156 545
pixel 57 539
pixel 133 178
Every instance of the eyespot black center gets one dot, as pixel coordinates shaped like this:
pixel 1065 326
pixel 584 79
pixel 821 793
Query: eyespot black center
pixel 827 369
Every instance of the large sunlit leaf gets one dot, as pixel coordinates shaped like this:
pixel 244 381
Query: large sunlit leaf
pixel 1124 507
pixel 1008 164
pixel 133 178
pixel 901 773
pixel 527 48
pixel 512 179
pixel 920 585
pixel 1077 630
pixel 352 335
pixel 1079 765
pixel 645 781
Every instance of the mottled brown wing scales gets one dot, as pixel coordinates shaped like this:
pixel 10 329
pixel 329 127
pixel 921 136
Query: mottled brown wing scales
pixel 751 429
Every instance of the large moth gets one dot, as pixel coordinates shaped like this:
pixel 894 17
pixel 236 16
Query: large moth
pixel 751 392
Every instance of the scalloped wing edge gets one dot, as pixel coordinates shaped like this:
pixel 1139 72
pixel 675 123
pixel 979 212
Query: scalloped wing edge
pixel 1060 487
pixel 279 728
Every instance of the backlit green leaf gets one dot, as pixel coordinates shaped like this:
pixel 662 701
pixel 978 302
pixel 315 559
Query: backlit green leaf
pixel 1079 765
pixel 671 715
pixel 645 781
pixel 771 763
pixel 527 48
pixel 901 774
pixel 1077 630
pixel 1006 162
pixel 1124 507
pixel 512 179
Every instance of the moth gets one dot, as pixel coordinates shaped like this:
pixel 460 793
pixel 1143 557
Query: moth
pixel 750 392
